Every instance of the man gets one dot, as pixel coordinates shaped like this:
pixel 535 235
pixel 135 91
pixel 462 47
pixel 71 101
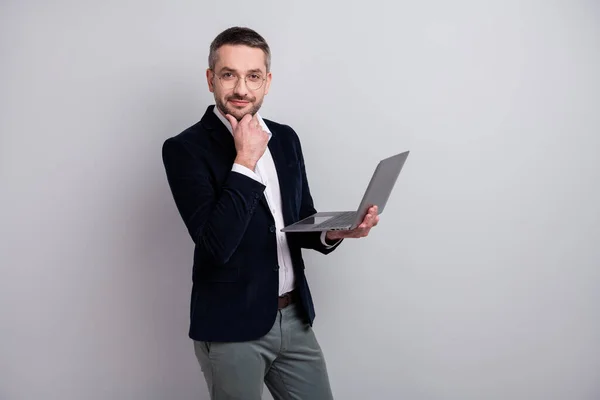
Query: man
pixel 237 179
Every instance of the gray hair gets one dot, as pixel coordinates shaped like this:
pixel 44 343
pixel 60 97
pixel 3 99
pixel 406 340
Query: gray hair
pixel 238 36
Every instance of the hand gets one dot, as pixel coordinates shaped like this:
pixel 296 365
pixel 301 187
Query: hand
pixel 362 230
pixel 250 140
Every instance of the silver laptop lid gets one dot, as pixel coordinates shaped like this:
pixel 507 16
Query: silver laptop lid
pixel 381 184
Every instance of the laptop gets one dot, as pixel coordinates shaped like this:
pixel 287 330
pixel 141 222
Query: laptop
pixel 377 193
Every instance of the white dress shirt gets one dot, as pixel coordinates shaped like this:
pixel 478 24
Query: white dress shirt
pixel 266 173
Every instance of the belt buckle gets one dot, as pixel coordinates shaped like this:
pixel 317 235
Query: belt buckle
pixel 287 300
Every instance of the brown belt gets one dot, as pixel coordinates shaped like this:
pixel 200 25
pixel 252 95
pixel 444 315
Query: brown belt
pixel 287 299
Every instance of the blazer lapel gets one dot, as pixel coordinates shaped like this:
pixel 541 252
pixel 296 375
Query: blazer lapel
pixel 219 133
pixel 283 172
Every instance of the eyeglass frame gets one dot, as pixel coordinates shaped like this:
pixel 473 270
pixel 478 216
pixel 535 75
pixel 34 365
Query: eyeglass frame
pixel 237 80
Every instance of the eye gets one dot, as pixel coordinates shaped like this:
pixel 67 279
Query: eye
pixel 227 76
pixel 254 77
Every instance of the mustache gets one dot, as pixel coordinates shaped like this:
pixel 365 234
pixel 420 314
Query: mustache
pixel 240 98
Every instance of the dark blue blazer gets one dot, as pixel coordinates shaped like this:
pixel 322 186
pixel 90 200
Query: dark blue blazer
pixel 235 270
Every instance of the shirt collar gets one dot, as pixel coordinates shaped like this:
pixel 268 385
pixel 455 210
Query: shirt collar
pixel 228 125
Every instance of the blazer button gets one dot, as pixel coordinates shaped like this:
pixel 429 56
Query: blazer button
pixel 272 228
pixel 276 268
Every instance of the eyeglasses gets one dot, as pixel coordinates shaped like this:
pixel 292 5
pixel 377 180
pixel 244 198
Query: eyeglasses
pixel 229 80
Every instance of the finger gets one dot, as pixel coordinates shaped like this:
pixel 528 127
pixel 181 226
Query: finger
pixel 373 220
pixel 370 224
pixel 246 120
pixel 367 221
pixel 232 121
pixel 368 214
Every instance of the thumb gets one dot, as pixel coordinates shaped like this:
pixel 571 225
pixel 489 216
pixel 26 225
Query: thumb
pixel 232 121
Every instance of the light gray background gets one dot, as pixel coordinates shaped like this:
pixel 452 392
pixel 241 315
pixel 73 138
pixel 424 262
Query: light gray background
pixel 482 280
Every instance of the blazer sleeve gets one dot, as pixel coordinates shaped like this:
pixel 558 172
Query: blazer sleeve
pixel 216 218
pixel 308 240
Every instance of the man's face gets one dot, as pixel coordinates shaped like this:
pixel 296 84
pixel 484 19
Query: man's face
pixel 235 81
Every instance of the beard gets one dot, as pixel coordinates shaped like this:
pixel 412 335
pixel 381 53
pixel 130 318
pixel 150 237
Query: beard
pixel 237 113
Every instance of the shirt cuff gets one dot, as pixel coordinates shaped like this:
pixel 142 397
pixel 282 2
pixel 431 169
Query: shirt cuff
pixel 245 171
pixel 327 246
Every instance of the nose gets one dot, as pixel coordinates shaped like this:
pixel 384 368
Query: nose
pixel 241 89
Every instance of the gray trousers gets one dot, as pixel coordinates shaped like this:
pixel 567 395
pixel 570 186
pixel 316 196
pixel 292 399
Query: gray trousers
pixel 288 360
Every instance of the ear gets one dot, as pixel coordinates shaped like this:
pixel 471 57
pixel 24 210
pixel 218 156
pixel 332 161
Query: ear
pixel 268 83
pixel 210 79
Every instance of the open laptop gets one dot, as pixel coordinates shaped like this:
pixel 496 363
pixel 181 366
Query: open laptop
pixel 377 193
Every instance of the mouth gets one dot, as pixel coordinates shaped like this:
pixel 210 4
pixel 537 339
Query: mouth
pixel 239 103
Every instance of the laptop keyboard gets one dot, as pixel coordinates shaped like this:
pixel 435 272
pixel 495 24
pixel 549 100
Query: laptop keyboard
pixel 339 221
